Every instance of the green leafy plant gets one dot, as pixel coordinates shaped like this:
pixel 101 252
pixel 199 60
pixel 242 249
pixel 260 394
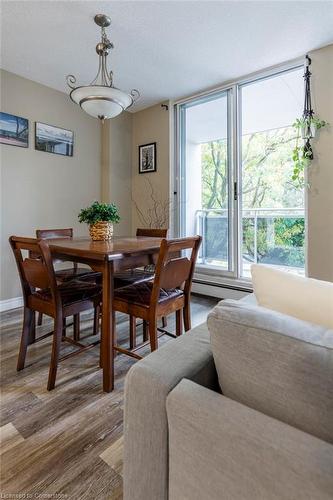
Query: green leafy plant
pixel 309 121
pixel 302 154
pixel 99 212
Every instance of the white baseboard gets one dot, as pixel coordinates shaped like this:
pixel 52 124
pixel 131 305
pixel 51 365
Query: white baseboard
pixel 8 304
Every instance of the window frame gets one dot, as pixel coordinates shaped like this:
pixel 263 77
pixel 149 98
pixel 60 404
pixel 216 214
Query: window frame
pixel 205 273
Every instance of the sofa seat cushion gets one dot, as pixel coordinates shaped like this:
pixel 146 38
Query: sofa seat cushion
pixel 304 298
pixel 140 294
pixel 241 454
pixel 275 364
pixel 73 291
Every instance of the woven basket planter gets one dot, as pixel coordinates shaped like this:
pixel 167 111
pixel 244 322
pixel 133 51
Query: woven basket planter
pixel 101 231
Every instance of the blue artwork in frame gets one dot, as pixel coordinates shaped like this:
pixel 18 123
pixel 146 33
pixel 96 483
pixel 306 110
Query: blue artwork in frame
pixel 14 130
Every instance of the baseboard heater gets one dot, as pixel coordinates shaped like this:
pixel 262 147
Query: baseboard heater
pixel 219 290
pixel 224 285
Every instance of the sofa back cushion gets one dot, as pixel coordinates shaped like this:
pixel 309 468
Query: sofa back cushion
pixel 275 364
pixel 304 298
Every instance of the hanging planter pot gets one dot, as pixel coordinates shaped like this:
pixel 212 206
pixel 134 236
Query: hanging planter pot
pixel 308 129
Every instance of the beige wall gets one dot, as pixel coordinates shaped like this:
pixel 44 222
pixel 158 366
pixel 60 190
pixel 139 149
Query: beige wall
pixel 320 195
pixel 150 125
pixel 120 169
pixel 42 189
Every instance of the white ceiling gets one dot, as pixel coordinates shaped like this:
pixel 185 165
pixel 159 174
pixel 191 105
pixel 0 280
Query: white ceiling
pixel 166 49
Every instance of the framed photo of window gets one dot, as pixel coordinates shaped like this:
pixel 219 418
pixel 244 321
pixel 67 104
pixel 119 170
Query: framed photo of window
pixel 14 130
pixel 52 139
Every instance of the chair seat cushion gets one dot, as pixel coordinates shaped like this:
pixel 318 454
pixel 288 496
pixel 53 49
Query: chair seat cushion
pixel 132 276
pixel 63 275
pixel 140 294
pixel 73 291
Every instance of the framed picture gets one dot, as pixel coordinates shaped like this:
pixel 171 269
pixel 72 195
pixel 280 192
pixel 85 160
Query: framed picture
pixel 147 158
pixel 53 139
pixel 14 130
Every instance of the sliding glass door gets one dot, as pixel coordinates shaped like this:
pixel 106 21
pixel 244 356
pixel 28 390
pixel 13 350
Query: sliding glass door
pixel 234 175
pixel 271 206
pixel 205 201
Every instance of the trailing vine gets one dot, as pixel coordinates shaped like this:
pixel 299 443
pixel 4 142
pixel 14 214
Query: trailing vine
pixel 302 154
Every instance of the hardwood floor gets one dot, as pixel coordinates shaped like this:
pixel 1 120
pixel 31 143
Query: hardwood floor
pixel 66 443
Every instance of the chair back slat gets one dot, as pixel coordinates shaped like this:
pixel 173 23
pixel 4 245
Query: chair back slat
pixel 48 234
pixel 36 273
pixel 27 244
pixel 175 273
pixel 178 245
pixel 153 233
pixel 36 270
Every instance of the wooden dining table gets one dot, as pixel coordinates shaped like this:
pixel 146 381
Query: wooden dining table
pixel 107 257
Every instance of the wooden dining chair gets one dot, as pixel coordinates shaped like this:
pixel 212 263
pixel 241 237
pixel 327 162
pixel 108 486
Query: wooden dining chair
pixel 68 274
pixel 131 276
pixel 42 293
pixel 168 293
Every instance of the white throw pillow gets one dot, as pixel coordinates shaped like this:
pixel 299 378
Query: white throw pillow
pixel 304 298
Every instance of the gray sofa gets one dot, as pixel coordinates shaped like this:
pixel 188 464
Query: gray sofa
pixel 253 421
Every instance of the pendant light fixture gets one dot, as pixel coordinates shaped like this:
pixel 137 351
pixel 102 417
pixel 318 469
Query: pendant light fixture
pixel 101 99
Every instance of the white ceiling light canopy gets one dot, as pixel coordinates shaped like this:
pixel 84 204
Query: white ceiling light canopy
pixel 101 99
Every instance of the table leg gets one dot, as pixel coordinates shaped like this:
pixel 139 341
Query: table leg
pixel 107 340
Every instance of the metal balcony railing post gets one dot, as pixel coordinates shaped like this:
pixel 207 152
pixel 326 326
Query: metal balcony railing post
pixel 255 242
pixel 204 237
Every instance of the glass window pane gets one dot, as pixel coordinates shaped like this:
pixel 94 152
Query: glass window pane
pixel 205 178
pixel 272 208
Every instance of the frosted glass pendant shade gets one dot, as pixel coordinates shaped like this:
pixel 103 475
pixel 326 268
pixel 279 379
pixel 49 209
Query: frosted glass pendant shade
pixel 100 101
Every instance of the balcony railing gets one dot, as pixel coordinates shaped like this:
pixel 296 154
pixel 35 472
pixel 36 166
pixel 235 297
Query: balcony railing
pixel 269 235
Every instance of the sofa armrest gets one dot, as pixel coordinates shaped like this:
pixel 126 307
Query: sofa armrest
pixel 145 424
pixel 249 299
pixel 219 448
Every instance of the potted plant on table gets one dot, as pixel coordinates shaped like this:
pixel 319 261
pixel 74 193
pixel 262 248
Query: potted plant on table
pixel 100 217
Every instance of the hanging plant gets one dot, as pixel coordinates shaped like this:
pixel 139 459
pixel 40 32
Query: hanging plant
pixel 302 154
pixel 306 128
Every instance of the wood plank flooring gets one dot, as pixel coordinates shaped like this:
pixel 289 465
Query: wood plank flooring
pixel 66 443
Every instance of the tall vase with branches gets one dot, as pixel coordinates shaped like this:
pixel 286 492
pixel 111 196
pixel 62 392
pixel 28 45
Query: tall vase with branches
pixel 154 212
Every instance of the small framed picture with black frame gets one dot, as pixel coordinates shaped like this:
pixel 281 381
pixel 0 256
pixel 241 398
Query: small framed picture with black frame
pixel 51 139
pixel 147 158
